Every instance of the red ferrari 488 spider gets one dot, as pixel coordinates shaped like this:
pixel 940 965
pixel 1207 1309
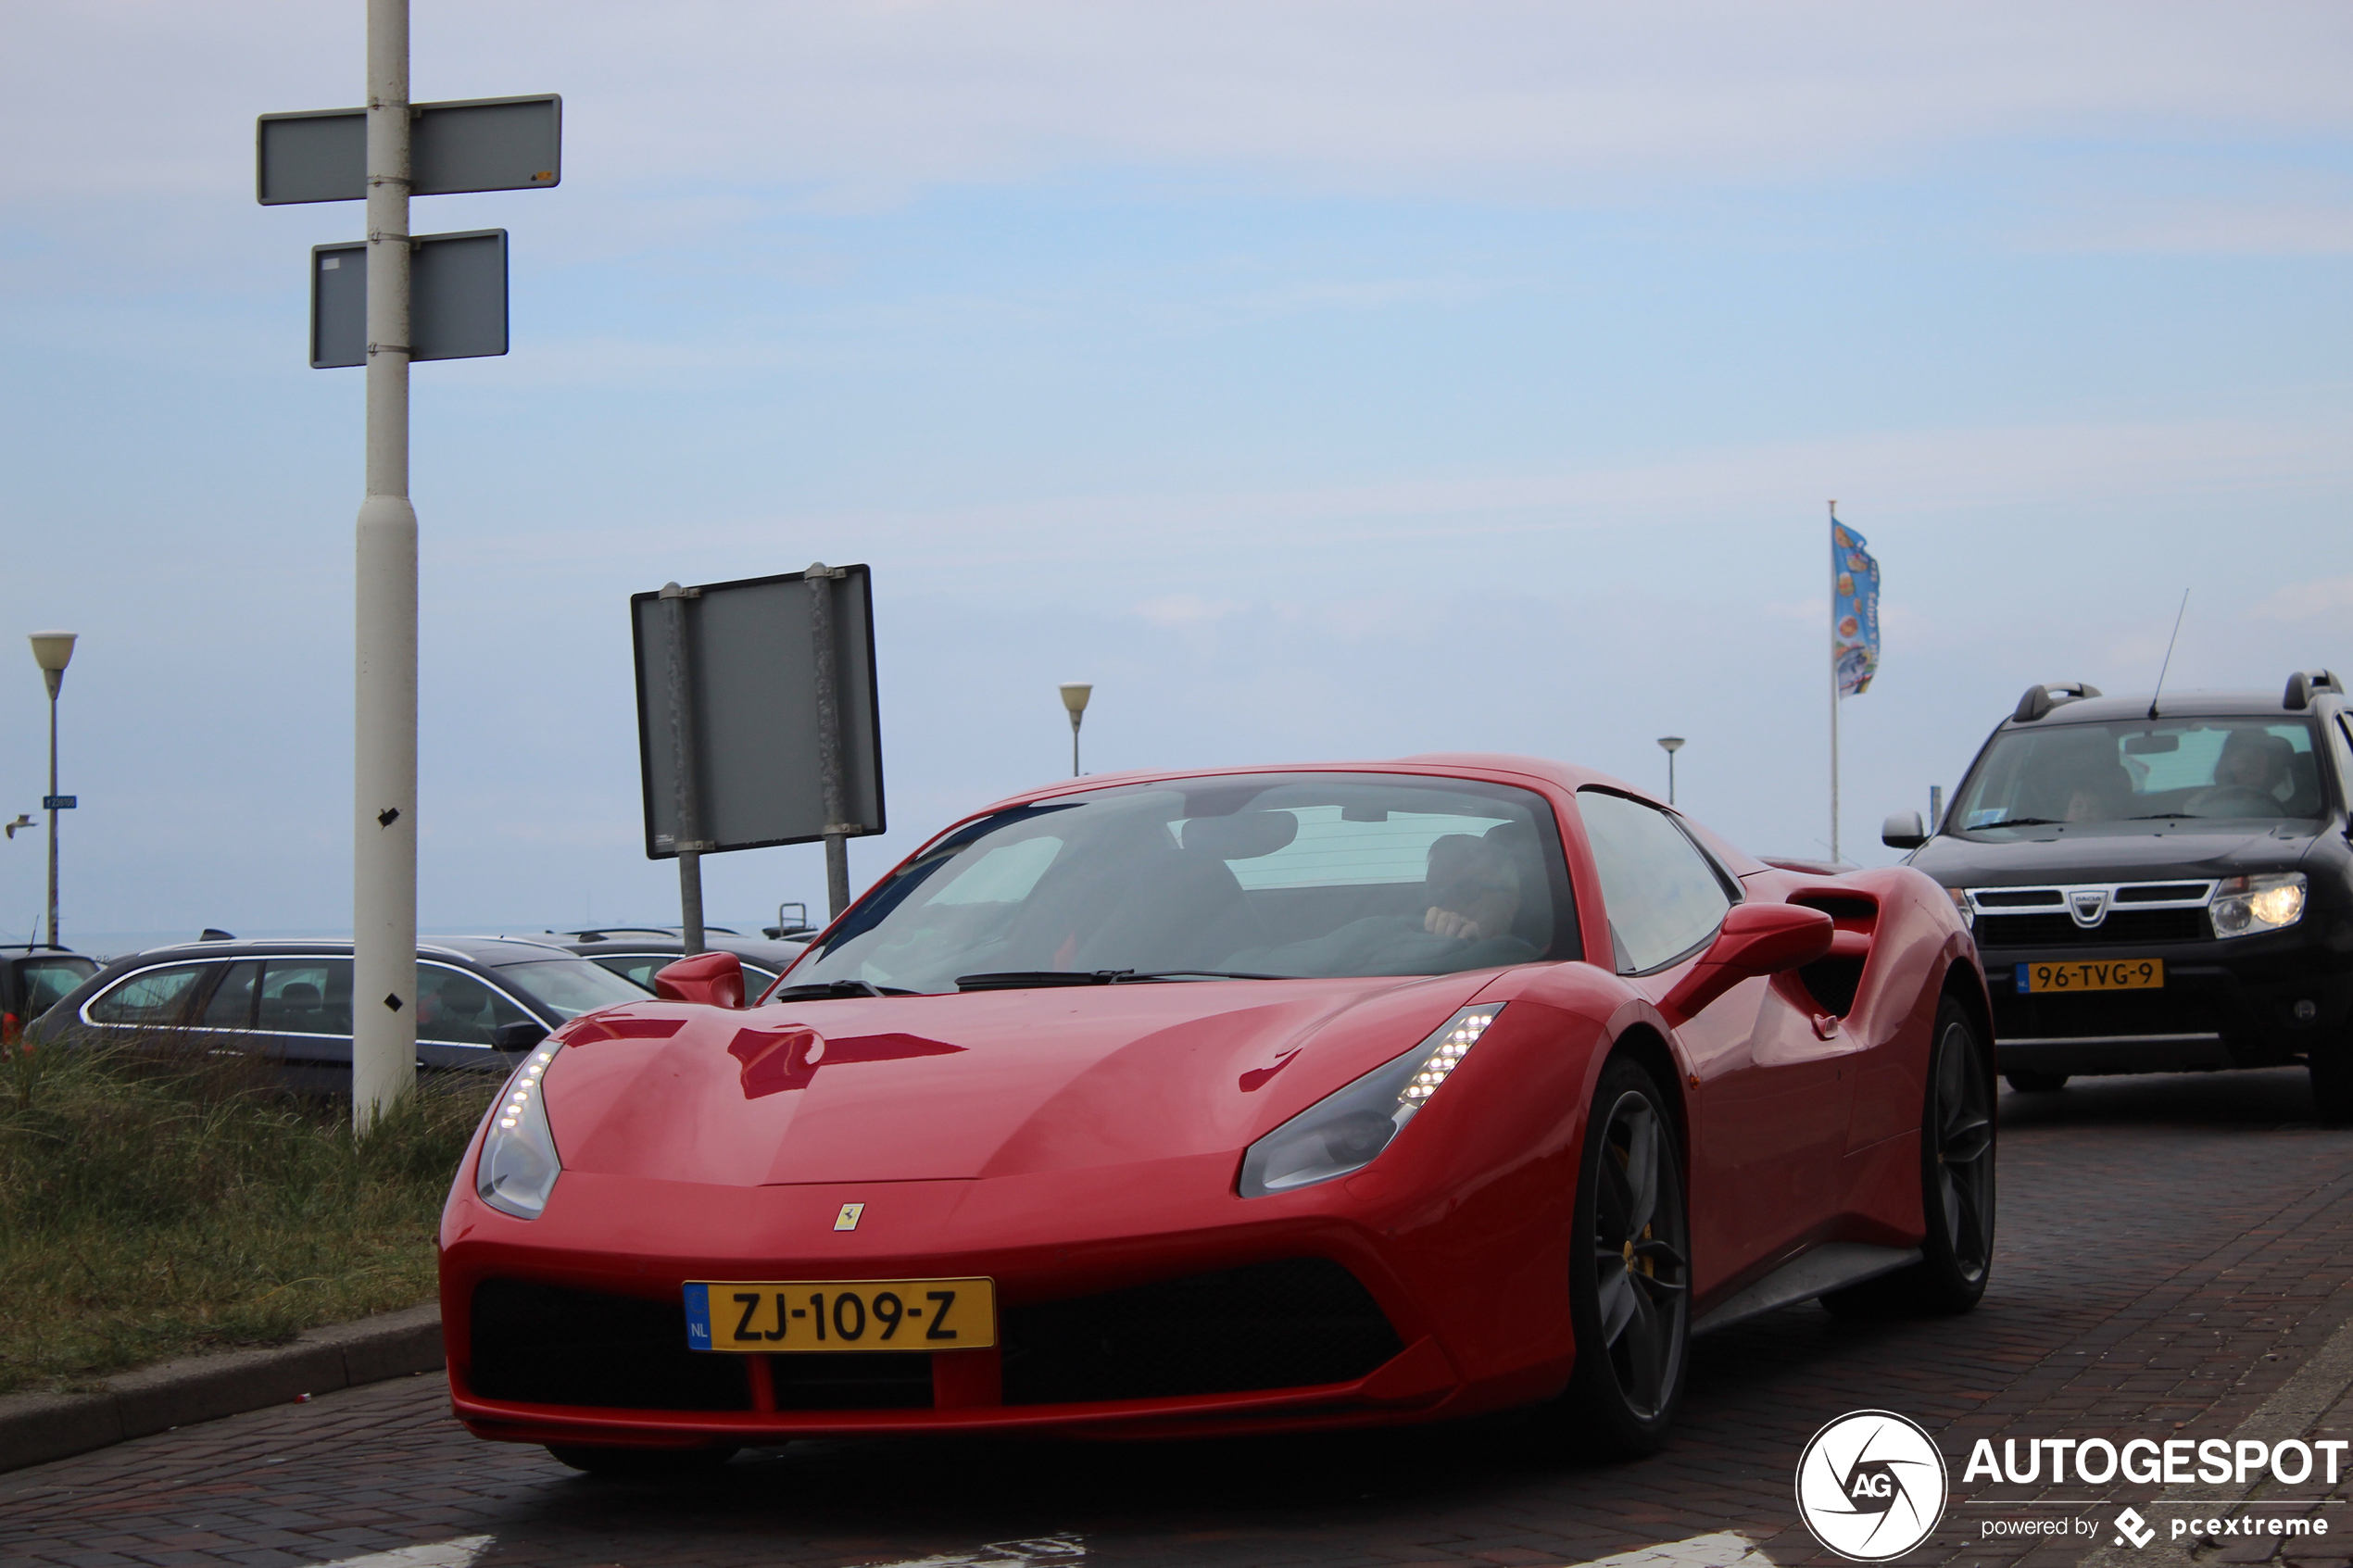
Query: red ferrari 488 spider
pixel 1200 1103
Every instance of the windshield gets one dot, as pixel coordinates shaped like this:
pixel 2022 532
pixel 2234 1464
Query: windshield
pixel 570 986
pixel 1264 875
pixel 2139 771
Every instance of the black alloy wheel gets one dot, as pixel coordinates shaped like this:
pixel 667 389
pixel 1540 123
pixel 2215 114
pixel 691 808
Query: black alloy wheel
pixel 1628 1270
pixel 2036 1083
pixel 1956 1185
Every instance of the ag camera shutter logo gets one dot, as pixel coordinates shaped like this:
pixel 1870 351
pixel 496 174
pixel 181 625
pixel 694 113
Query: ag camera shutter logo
pixel 1871 1485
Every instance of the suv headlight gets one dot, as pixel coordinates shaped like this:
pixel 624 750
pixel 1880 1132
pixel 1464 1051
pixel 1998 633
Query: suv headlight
pixel 1961 905
pixel 1344 1132
pixel 518 1168
pixel 2244 905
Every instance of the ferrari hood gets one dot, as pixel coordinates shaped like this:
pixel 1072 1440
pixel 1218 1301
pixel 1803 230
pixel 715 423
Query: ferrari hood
pixel 985 1084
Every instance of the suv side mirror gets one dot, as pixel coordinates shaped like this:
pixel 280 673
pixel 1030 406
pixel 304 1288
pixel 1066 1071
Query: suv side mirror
pixel 1902 830
pixel 1755 939
pixel 520 1035
pixel 713 979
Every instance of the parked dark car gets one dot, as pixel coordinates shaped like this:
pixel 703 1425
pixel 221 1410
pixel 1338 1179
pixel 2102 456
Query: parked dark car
pixel 480 1001
pixel 35 980
pixel 2159 885
pixel 636 952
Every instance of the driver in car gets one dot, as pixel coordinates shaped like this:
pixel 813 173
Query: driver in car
pixel 1470 898
pixel 2253 762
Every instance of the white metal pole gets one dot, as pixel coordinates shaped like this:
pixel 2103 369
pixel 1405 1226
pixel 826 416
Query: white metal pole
pixel 383 1015
pixel 56 679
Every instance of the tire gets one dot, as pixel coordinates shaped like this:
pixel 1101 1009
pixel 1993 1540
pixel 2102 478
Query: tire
pixel 2036 1083
pixel 641 1461
pixel 2331 1067
pixel 1628 1271
pixel 1957 1186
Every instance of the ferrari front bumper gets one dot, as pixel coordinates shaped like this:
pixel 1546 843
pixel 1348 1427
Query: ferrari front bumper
pixel 1218 1316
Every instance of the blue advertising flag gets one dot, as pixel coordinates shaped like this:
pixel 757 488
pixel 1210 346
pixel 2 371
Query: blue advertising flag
pixel 1854 612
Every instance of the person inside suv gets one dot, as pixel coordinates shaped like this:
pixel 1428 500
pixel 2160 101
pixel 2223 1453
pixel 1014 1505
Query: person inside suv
pixel 2248 776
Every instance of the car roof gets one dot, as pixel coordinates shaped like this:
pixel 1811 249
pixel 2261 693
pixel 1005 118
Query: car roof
pixel 1494 766
pixel 1430 764
pixel 488 951
pixel 743 947
pixel 2171 705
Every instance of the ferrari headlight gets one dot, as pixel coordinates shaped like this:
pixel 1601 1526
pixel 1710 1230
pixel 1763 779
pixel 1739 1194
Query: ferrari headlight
pixel 518 1168
pixel 2244 905
pixel 1345 1131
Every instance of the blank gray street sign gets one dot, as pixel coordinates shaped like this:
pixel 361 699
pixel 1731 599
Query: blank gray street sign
pixel 464 145
pixel 752 659
pixel 456 298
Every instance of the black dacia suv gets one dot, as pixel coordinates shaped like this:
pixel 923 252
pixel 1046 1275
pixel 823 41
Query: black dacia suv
pixel 2160 886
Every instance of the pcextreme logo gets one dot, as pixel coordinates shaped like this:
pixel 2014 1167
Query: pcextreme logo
pixel 1871 1486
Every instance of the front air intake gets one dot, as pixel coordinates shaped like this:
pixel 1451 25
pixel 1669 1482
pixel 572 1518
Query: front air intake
pixel 1295 1324
pixel 546 1345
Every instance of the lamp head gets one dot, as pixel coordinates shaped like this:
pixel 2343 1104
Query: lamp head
pixel 1074 695
pixel 52 650
pixel 1672 742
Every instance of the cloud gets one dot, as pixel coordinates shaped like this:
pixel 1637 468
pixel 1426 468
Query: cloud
pixel 1173 611
pixel 2301 601
pixel 850 102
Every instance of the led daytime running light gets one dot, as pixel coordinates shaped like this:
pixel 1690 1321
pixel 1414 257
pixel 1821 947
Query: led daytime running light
pixel 1453 1046
pixel 524 1084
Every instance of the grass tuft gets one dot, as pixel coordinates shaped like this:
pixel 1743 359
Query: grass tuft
pixel 160 1202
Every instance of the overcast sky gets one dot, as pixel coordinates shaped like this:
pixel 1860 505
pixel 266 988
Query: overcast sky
pixel 1320 379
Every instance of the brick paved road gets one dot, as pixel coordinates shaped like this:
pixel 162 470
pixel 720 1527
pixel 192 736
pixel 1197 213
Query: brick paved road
pixel 2170 1251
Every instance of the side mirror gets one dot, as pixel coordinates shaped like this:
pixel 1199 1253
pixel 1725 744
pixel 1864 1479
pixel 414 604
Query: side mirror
pixel 520 1035
pixel 1902 830
pixel 1755 939
pixel 713 979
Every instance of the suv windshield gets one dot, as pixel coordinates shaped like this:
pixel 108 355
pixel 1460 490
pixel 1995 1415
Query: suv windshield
pixel 2142 770
pixel 1260 876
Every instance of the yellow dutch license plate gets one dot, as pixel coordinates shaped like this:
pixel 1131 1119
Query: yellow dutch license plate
pixel 2100 975
pixel 849 1315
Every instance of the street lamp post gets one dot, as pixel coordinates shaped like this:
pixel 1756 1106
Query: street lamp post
pixel 1670 744
pixel 1074 695
pixel 53 651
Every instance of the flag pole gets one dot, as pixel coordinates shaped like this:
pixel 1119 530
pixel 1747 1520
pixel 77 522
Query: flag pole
pixel 1833 682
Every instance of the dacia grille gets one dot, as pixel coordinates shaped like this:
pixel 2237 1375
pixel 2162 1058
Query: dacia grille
pixel 2122 925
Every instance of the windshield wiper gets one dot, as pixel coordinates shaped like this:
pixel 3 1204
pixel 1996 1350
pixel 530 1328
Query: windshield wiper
pixel 1200 974
pixel 821 990
pixel 2164 815
pixel 1023 979
pixel 2018 822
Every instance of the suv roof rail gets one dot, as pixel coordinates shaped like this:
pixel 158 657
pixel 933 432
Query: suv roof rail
pixel 2040 700
pixel 2303 684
